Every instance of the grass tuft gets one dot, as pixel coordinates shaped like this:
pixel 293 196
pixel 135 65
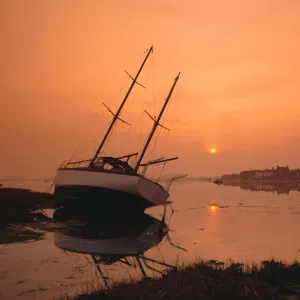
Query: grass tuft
pixel 209 280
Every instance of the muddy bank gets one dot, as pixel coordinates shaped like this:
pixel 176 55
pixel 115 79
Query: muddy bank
pixel 21 205
pixel 212 280
pixel 21 214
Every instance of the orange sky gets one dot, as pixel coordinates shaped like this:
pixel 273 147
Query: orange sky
pixel 238 92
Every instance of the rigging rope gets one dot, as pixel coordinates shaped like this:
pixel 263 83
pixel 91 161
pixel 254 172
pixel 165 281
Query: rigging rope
pixel 161 172
pixel 154 106
pixel 48 190
pixel 142 119
pixel 161 254
pixel 176 103
pixel 128 138
pixel 167 110
pixel 84 140
pixel 112 133
pixel 158 134
pixel 93 127
pixel 153 82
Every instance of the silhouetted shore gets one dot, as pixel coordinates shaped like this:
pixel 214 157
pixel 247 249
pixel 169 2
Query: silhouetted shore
pixel 281 180
pixel 211 280
pixel 19 208
pixel 21 205
pixel 284 174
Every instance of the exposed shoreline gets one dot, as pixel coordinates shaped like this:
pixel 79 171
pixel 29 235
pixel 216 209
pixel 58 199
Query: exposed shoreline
pixel 20 211
pixel 21 205
pixel 210 280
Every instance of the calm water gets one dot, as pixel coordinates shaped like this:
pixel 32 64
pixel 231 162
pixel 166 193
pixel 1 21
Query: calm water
pixel 209 222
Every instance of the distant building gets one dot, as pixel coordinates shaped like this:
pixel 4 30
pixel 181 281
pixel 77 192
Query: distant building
pixel 295 173
pixel 283 171
pixel 279 172
pixel 253 177
pixel 247 175
pixel 264 174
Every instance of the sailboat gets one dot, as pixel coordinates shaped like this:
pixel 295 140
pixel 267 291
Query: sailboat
pixel 113 181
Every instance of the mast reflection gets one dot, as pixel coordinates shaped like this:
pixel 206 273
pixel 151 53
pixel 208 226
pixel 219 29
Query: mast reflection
pixel 110 240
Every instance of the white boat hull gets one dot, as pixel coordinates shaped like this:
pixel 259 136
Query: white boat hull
pixel 105 186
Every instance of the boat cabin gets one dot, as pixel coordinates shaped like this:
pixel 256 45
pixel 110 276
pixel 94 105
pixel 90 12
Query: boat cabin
pixel 114 165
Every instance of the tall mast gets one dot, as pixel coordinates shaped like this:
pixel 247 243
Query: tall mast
pixel 156 123
pixel 116 116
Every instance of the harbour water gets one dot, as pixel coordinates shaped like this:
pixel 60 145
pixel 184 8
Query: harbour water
pixel 209 222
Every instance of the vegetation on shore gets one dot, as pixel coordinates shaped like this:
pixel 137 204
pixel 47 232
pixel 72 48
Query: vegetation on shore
pixel 211 280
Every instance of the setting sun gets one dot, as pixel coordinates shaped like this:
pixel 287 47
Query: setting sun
pixel 213 208
pixel 212 150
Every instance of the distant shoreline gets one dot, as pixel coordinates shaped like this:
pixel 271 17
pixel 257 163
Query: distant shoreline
pixel 25 179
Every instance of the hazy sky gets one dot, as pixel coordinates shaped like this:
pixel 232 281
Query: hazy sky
pixel 239 90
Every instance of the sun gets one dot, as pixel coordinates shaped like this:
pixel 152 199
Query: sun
pixel 212 150
pixel 213 208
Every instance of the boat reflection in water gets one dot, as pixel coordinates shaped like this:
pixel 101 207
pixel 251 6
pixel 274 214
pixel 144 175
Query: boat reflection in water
pixel 113 240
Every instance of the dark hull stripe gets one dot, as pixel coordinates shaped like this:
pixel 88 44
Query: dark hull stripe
pixel 97 196
pixel 97 170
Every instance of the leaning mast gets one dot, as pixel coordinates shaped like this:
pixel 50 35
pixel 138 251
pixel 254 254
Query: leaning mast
pixel 116 116
pixel 156 123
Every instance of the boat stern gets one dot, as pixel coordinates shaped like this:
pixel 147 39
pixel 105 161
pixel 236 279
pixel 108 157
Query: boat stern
pixel 152 192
